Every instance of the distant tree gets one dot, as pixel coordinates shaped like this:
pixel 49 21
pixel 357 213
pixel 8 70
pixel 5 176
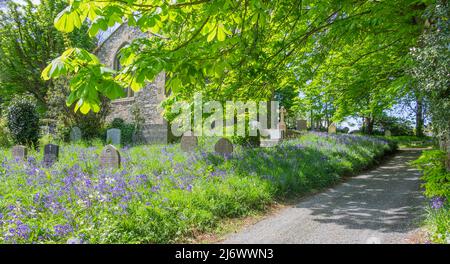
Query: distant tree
pixel 28 42
pixel 397 125
pixel 416 104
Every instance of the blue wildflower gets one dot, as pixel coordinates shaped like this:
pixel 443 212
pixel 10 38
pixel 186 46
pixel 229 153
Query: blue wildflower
pixel 62 230
pixel 437 202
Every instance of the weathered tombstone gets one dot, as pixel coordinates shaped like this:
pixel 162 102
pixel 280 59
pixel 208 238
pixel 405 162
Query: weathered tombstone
pixel 75 134
pixel 19 152
pixel 282 125
pixel 387 133
pixel 113 136
pixel 188 142
pixel 301 125
pixel 110 157
pixel 51 154
pixel 332 129
pixel 223 147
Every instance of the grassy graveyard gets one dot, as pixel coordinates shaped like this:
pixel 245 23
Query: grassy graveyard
pixel 330 87
pixel 162 194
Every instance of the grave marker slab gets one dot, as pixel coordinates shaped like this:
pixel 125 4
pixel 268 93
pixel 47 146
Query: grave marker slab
pixel 19 152
pixel 223 147
pixel 51 154
pixel 113 136
pixel 110 157
pixel 75 134
pixel 332 129
pixel 189 143
pixel 387 133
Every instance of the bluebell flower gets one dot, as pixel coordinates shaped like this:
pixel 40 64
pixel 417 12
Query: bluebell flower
pixel 62 230
pixel 437 202
pixel 74 241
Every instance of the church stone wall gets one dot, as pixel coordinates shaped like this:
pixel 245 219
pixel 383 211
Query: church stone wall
pixel 148 99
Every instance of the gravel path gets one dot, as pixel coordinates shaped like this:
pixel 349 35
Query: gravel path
pixel 382 205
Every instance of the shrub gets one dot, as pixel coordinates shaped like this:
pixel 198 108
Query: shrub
pixel 438 222
pixel 397 125
pixel 90 124
pixel 413 141
pixel 435 176
pixel 245 141
pixel 23 121
pixel 437 187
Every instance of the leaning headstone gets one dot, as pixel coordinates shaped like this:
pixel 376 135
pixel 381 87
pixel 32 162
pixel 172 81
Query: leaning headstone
pixel 223 147
pixel 51 154
pixel 387 133
pixel 332 129
pixel 113 136
pixel 75 134
pixel 110 157
pixel 188 143
pixel 301 125
pixel 19 152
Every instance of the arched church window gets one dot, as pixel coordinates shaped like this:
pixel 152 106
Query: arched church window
pixel 117 66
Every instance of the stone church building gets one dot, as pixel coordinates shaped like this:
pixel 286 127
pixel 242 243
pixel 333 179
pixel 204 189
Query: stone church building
pixel 155 128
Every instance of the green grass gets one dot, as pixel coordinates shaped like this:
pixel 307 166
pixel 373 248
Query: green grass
pixel 436 184
pixel 412 141
pixel 162 194
pixel 438 224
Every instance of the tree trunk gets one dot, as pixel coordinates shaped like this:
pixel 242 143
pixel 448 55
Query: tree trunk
pixel 327 118
pixel 447 149
pixel 444 145
pixel 368 125
pixel 363 128
pixel 419 116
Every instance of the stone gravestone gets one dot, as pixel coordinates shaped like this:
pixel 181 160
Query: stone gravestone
pixel 223 147
pixel 110 157
pixel 301 125
pixel 188 143
pixel 387 133
pixel 75 134
pixel 113 136
pixel 332 129
pixel 51 154
pixel 19 152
